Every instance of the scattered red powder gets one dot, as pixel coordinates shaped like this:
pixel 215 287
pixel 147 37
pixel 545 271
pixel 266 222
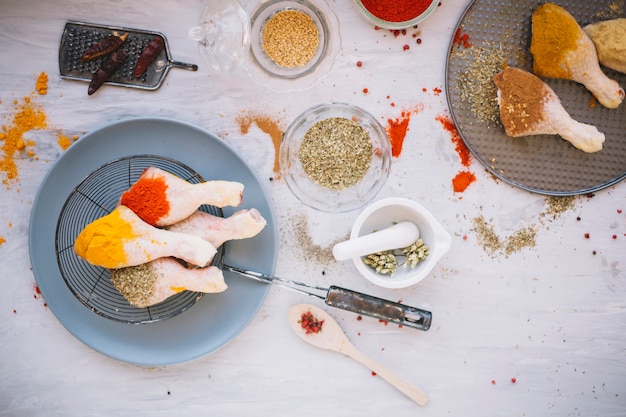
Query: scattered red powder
pixel 437 91
pixel 359 64
pixel 365 90
pixel 459 145
pixel 462 180
pixel 461 38
pixel 396 130
pixel 373 373
pixel 513 380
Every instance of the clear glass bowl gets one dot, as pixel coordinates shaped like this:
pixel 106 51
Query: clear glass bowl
pixel 265 71
pixel 318 196
pixel 386 24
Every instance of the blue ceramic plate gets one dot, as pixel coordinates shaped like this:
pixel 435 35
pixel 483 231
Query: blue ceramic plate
pixel 216 318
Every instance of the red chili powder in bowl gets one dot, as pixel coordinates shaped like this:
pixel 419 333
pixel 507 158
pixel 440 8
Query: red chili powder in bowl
pixel 396 10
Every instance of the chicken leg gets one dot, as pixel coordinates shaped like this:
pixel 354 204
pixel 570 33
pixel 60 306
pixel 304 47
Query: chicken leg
pixel 609 38
pixel 561 49
pixel 242 224
pixel 528 106
pixel 161 198
pixel 151 283
pixel 122 239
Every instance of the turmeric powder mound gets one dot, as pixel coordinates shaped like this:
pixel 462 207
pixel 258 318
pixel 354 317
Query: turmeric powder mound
pixel 42 84
pixel 555 32
pixel 27 116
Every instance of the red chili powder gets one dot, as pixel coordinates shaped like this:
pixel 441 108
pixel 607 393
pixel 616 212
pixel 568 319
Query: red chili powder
pixel 459 145
pixel 396 10
pixel 396 130
pixel 148 199
pixel 462 180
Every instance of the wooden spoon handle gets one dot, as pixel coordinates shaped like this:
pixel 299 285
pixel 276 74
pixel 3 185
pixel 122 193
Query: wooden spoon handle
pixel 395 380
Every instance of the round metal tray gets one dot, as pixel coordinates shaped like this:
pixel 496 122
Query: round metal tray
pixel 543 164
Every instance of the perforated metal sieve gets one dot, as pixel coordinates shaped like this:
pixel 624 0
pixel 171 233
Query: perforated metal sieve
pixel 96 196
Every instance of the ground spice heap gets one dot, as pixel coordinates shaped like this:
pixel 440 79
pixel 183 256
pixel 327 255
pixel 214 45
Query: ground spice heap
pixel 27 116
pixel 521 100
pixel 290 38
pixel 396 10
pixel 336 153
pixel 135 283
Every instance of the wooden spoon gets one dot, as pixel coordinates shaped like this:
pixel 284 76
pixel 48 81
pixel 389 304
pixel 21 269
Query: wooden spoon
pixel 331 337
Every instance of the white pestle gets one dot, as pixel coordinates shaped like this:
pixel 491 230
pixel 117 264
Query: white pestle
pixel 399 235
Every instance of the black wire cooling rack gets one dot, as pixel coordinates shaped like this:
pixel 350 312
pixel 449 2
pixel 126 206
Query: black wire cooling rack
pixel 96 196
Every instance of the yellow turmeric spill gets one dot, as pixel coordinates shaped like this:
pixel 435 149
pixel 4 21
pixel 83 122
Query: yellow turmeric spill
pixel 177 289
pixel 42 84
pixel 26 116
pixel 102 241
pixel 2 240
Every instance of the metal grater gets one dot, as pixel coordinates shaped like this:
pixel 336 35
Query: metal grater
pixel 78 36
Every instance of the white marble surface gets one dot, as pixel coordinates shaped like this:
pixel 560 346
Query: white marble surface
pixel 552 315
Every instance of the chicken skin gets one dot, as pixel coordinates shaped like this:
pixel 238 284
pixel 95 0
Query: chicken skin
pixel 242 224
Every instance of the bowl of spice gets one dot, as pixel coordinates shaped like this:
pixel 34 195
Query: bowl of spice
pixel 396 14
pixel 401 267
pixel 335 157
pixel 286 45
pixel 293 42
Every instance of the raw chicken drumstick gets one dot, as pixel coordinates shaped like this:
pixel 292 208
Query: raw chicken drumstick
pixel 122 239
pixel 561 49
pixel 528 106
pixel 148 284
pixel 242 224
pixel 609 38
pixel 161 198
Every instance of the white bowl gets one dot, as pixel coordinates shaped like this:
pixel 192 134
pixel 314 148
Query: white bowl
pixel 384 213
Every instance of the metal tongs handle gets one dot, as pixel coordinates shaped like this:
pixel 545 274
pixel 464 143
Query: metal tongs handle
pixel 379 308
pixel 349 300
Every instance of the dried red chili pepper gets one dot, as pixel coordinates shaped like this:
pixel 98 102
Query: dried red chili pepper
pixel 107 69
pixel 104 46
pixel 148 55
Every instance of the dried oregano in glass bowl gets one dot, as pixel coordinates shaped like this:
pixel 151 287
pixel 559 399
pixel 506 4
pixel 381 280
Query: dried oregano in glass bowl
pixel 335 157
